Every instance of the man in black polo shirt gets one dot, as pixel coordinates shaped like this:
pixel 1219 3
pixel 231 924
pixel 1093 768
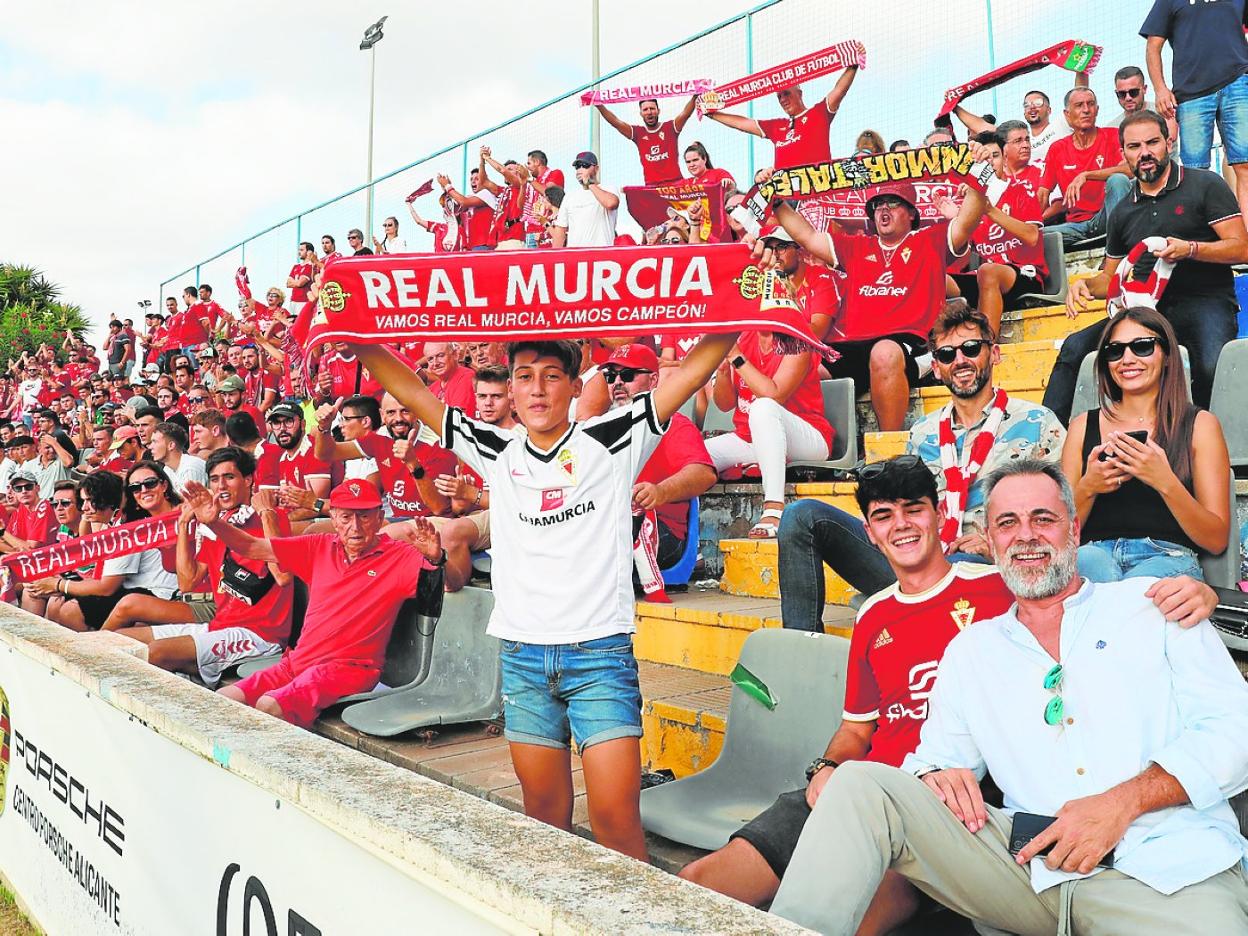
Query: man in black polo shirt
pixel 1196 212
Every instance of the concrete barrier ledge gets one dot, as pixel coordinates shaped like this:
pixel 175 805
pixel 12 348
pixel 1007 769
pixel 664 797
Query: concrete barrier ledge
pixel 518 872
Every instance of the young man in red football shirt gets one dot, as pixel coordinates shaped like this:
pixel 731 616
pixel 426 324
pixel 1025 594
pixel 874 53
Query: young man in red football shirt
pixel 899 637
pixel 298 468
pixel 1089 169
pixel 357 581
pixel 801 136
pixel 33 523
pixel 248 614
pixel 657 143
pixel 1009 239
pixel 894 289
pixel 301 274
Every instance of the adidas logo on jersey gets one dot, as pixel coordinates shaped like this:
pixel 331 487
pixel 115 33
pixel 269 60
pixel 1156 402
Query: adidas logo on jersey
pixel 882 640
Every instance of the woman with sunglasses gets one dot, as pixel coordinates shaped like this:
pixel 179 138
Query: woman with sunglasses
pixel 1150 470
pixel 86 605
pixel 777 415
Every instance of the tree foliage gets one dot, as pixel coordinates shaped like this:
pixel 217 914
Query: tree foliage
pixel 31 312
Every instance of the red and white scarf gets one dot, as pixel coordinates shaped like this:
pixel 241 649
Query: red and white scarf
pixel 1073 55
pixel 961 473
pixel 646 558
pixel 847 54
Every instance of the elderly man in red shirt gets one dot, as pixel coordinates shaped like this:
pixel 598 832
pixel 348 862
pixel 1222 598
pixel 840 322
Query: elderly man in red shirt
pixel 357 581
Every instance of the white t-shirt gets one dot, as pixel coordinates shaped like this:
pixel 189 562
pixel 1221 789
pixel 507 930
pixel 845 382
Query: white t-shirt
pixel 393 245
pixel 190 468
pixel 561 521
pixel 29 391
pixel 588 223
pixel 48 475
pixel 144 569
pixel 1040 142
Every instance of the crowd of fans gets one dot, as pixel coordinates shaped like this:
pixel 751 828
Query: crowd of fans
pixel 370 471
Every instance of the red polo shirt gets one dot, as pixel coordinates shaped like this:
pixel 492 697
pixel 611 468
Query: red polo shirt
pixel 681 445
pixel 351 606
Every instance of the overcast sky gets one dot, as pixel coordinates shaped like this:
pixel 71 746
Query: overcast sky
pixel 142 137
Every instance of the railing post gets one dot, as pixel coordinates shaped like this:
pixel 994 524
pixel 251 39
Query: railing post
pixel 749 70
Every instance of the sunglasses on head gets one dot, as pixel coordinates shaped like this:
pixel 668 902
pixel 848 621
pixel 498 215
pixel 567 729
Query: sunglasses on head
pixel 1129 93
pixel 147 484
pixel 21 487
pixel 947 354
pixel 626 374
pixel 876 469
pixel 1140 347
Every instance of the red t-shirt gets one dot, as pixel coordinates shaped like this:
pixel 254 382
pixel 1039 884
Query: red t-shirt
pixel 256 383
pixel 995 244
pixel 256 415
pixel 806 402
pixel 297 467
pixel 300 293
pixel 268 463
pixel 681 344
pixel 478 223
pixel 458 391
pixel 351 606
pixel 552 177
pixel 350 378
pixel 711 177
pixel 397 481
pixel 37 526
pixel 681 445
pixel 658 149
pixel 269 618
pixel 1064 162
pixel 897 645
pixel 116 464
pixel 802 140
pixel 193 331
pixel 900 290
pixel 820 292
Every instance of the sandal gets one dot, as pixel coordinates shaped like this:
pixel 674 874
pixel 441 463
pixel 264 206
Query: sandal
pixel 762 530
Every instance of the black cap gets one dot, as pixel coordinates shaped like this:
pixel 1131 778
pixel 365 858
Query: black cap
pixel 585 157
pixel 286 410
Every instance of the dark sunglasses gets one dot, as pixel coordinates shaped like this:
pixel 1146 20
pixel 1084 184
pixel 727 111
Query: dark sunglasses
pixel 876 469
pixel 64 503
pixel 197 399
pixel 626 374
pixel 21 487
pixel 1140 347
pixel 149 484
pixel 582 165
pixel 947 354
pixel 1129 93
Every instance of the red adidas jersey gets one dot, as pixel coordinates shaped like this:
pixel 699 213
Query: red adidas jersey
pixel 397 481
pixel 896 647
pixel 820 292
pixel 995 244
pixel 897 290
pixel 659 152
pixel 350 378
pixel 270 617
pixel 300 293
pixel 802 140
pixel 255 384
pixel 681 344
pixel 805 403
pixel 298 466
pixel 268 457
pixel 1063 162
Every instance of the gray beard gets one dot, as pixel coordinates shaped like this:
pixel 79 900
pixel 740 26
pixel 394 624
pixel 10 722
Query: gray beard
pixel 1152 175
pixel 981 381
pixel 1032 587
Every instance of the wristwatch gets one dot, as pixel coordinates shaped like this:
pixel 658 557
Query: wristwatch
pixel 441 561
pixel 319 504
pixel 817 765
pixel 738 361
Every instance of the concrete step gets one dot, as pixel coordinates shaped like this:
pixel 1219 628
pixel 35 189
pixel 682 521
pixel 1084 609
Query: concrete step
pixel 1048 323
pixel 877 446
pixel 705 630
pixel 750 570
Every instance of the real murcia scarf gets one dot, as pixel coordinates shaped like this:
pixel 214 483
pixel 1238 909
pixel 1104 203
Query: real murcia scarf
pixel 850 53
pixel 644 92
pixel 960 473
pixel 1073 55
pixel 110 543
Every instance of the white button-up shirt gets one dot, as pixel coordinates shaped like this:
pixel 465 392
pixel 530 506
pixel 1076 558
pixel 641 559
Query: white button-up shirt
pixel 1136 690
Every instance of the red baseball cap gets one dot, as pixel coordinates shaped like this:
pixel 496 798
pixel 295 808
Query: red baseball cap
pixel 635 355
pixel 356 494
pixel 123 435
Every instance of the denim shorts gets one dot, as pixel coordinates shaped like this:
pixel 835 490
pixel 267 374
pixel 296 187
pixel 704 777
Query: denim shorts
pixel 1228 107
pixel 584 692
pixel 1118 559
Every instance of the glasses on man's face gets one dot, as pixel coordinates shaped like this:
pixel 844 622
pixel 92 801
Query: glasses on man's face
pixel 1055 710
pixel 21 487
pixel 346 418
pixel 947 354
pixel 353 237
pixel 1140 347
pixel 626 374
pixel 1129 93
pixel 876 469
pixel 891 204
pixel 147 484
pixel 197 399
pixel 64 504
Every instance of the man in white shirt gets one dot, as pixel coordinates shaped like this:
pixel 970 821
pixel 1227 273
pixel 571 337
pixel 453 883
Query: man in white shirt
pixel 168 445
pixel 587 216
pixel 1084 705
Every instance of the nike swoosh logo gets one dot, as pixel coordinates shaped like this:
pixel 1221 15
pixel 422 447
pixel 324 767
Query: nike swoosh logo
pixel 517 474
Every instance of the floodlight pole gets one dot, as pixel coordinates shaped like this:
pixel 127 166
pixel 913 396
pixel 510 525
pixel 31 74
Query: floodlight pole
pixel 372 36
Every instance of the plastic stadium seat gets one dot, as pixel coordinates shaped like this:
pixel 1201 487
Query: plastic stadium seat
pixel 1223 570
pixel 766 751
pixel 298 607
pixel 1085 386
pixel 1055 284
pixel 1227 399
pixel 841 410
pixel 407 654
pixel 680 573
pixel 464 682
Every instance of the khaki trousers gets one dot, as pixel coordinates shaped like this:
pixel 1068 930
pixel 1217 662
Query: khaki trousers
pixel 871 817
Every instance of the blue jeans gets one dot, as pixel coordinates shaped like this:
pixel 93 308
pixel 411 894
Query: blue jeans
pixel 1116 188
pixel 1228 107
pixel 812 533
pixel 1115 560
pixel 585 691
